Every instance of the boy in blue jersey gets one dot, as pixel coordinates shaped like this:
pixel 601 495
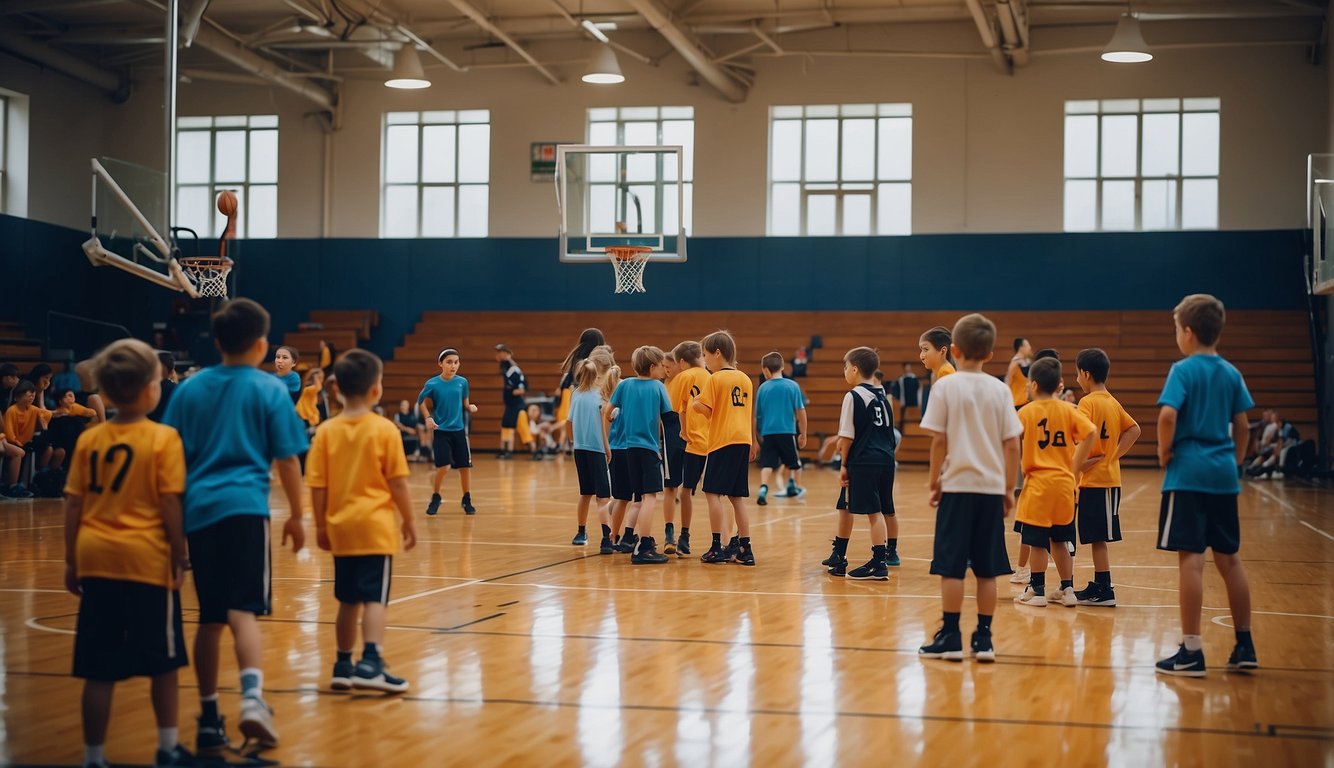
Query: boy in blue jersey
pixel 780 421
pixel 636 465
pixel 235 423
pixel 1203 398
pixel 443 402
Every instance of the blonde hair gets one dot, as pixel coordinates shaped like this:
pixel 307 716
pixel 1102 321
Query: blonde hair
pixel 644 358
pixel 585 375
pixel 610 381
pixel 124 369
pixel 689 352
pixel 721 342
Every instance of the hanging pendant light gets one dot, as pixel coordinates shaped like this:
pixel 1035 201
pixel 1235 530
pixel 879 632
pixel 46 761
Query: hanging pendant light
pixel 407 73
pixel 603 68
pixel 1127 45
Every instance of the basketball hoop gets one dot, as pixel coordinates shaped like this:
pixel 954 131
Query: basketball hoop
pixel 209 274
pixel 628 262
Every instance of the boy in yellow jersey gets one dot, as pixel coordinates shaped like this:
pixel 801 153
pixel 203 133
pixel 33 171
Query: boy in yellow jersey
pixel 690 381
pixel 1052 463
pixel 726 401
pixel 673 455
pixel 358 478
pixel 1016 376
pixel 1100 485
pixel 125 551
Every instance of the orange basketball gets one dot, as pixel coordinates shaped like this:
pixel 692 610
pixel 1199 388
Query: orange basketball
pixel 227 203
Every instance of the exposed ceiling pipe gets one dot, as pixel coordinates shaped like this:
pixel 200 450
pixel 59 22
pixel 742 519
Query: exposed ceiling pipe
pixel 661 19
pixel 16 7
pixel 480 19
pixel 1011 37
pixel 213 40
pixel 384 14
pixel 66 64
pixel 988 34
pixel 192 13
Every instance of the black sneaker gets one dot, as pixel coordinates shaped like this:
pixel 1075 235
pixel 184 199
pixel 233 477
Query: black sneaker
pixel 342 675
pixel 538 456
pixel 626 545
pixel 468 508
pixel 981 646
pixel 211 736
pixel 683 544
pixel 1096 594
pixel 504 455
pixel 745 555
pixel 833 558
pixel 647 553
pixel 434 506
pixel 580 539
pixel 179 756
pixel 875 570
pixel 1183 663
pixel 1242 658
pixel 763 497
pixel 793 492
pixel 715 555
pixel 606 548
pixel 730 551
pixel 371 676
pixel 945 645
pixel 839 567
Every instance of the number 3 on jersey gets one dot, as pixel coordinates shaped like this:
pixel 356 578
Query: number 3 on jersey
pixel 115 453
pixel 878 417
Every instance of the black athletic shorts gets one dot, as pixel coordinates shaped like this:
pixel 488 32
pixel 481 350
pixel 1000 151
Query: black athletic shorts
pixel 870 490
pixel 635 472
pixel 727 472
pixel 1042 536
pixel 1191 521
pixel 127 629
pixel 1099 515
pixel 451 449
pixel 591 466
pixel 363 578
pixel 970 531
pixel 510 418
pixel 779 449
pixel 674 450
pixel 231 563
pixel 693 470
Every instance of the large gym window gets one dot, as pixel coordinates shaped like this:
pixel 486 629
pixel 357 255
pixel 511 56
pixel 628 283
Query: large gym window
pixel 436 173
pixel 652 126
pixel 840 170
pixel 1141 164
pixel 228 152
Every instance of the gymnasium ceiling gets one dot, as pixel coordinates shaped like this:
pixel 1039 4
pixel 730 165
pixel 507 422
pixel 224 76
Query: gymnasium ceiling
pixel 311 46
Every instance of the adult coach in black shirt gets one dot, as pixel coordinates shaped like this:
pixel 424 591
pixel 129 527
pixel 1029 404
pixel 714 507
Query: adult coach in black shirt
pixel 516 386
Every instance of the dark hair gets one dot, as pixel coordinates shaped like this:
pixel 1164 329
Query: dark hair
pixel 1019 342
pixel 689 352
pixel 644 358
pixel 357 371
pixel 772 362
pixel 9 369
pixel 66 391
pixel 940 338
pixel 238 325
pixel 879 375
pixel 864 359
pixel 23 388
pixel 167 360
pixel 291 351
pixel 503 348
pixel 1095 362
pixel 38 371
pixel 1203 315
pixel 975 336
pixel 1047 352
pixel 1046 374
pixel 446 352
pixel 124 368
pixel 589 340
pixel 720 341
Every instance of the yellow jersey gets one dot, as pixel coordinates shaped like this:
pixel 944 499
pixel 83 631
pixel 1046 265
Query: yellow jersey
pixel 1018 381
pixel 307 406
pixel 690 384
pixel 21 425
pixel 354 459
pixel 1052 428
pixel 74 410
pixel 729 394
pixel 122 472
pixel 1111 421
pixel 944 370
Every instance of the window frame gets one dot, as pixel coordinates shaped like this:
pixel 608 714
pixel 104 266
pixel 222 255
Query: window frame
pixel 420 123
pixel 657 115
pixel 242 189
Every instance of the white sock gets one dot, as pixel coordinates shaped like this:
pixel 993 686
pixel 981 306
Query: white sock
pixel 168 738
pixel 252 682
pixel 1192 642
pixel 93 754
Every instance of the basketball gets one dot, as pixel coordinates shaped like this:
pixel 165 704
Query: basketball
pixel 227 203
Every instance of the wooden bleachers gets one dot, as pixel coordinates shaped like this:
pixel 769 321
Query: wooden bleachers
pixel 15 346
pixel 344 329
pixel 1271 348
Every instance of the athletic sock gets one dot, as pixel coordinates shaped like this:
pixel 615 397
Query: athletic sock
pixel 467 496
pixel 629 534
pixel 582 529
pixel 685 531
pixel 209 705
pixel 950 621
pixel 983 622
pixel 1244 637
pixel 744 541
pixel 878 553
pixel 168 738
pixel 1102 577
pixel 718 540
pixel 764 487
pixel 891 545
pixel 1038 581
pixel 606 531
pixel 93 754
pixel 841 546
pixel 1067 583
pixel 252 683
pixel 371 651
pixel 344 656
pixel 1193 643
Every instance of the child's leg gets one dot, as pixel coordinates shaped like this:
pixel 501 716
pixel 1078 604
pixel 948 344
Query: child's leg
pixel 582 510
pixel 58 457
pixel 345 627
pixel 166 708
pixel 643 516
pixel 669 505
pixel 986 597
pixel 1026 556
pixel 687 507
pixel 43 457
pixel 1101 562
pixel 439 480
pixel 15 456
pixel 1190 572
pixel 1238 589
pixel 951 596
pixel 465 480
pixel 891 528
pixel 249 652
pixel 604 512
pixel 742 519
pixel 208 641
pixel 1065 564
pixel 617 515
pixel 877 528
pixel 844 524
pixel 96 715
pixel 1037 560
pixel 765 473
pixel 715 513
pixel 372 624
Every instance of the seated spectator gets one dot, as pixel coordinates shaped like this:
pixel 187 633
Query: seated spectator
pixel 415 439
pixel 535 430
pixel 1276 438
pixel 9 378
pixel 67 423
pixel 40 376
pixel 22 423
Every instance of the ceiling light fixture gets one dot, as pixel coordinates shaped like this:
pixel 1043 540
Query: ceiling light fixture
pixel 1127 45
pixel 593 30
pixel 603 68
pixel 407 73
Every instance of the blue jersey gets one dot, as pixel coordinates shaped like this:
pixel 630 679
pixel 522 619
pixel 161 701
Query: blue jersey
pixel 586 418
pixel 293 383
pixel 1206 391
pixel 447 398
pixel 776 403
pixel 235 421
pixel 642 403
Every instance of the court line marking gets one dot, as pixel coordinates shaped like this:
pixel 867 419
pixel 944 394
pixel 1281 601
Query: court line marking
pixel 430 592
pixel 1317 530
pixel 1287 507
pixel 497 544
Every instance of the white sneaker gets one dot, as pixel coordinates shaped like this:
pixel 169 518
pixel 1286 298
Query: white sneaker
pixel 1029 597
pixel 257 722
pixel 1065 597
pixel 1021 575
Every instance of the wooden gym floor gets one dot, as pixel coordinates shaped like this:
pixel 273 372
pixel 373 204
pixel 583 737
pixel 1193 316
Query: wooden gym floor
pixel 523 650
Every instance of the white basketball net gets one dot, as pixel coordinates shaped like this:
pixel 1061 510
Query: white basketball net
pixel 628 264
pixel 208 275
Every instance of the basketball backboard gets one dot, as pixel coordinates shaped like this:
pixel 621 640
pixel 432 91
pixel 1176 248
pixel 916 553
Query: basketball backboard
pixel 128 224
pixel 620 196
pixel 1320 219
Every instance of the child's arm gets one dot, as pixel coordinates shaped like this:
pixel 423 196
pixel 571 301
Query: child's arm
pixel 427 409
pixel 1081 455
pixel 95 402
pixel 289 472
pixel 398 488
pixel 1128 439
pixel 73 516
pixel 606 429
pixel 172 520
pixel 940 445
pixel 1239 426
pixel 801 427
pixel 319 507
pixel 701 407
pixel 468 406
pixel 1167 429
pixel 1011 470
pixel 844 445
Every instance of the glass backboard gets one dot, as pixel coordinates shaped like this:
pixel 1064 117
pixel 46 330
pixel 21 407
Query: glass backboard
pixel 628 195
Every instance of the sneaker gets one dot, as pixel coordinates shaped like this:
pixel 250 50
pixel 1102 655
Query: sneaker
pixel 683 544
pixel 1029 597
pixel 1065 597
pixel 669 540
pixel 833 558
pixel 1183 663
pixel 625 546
pixel 745 555
pixel 580 539
pixel 945 645
pixel 892 559
pixel 538 456
pixel 211 736
pixel 874 570
pixel 17 491
pixel 371 676
pixel 1097 594
pixel 793 492
pixel 468 508
pixel 257 722
pixel 504 456
pixel 97 764
pixel 981 646
pixel 763 498
pixel 730 551
pixel 342 675
pixel 606 547
pixel 1242 659
pixel 839 567
pixel 434 506
pixel 179 756
pixel 714 556
pixel 647 553
pixel 1021 575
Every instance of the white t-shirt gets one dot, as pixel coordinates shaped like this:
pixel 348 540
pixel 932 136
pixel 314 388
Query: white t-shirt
pixel 975 412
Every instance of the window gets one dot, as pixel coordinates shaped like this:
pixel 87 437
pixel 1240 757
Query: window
pixel 436 174
pixel 237 153
pixel 840 170
pixel 649 127
pixel 1141 164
